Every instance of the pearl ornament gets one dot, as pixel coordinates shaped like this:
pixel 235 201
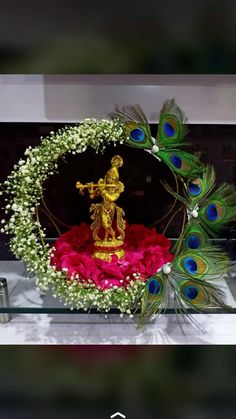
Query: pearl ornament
pixel 155 148
pixel 166 269
pixel 194 213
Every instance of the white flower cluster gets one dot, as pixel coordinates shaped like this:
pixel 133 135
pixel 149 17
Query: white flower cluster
pixel 24 189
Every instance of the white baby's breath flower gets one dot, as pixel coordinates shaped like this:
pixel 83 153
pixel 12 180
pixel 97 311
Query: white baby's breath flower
pixel 14 207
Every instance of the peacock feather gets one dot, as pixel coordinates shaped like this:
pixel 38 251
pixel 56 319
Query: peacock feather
pixel 199 188
pixel 194 236
pixel 172 128
pixel 138 133
pixel 220 209
pixel 183 163
pixel 217 206
pixel 209 262
pixel 154 299
pixel 196 294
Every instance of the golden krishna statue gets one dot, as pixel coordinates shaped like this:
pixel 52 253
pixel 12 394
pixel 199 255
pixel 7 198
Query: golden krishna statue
pixel 108 224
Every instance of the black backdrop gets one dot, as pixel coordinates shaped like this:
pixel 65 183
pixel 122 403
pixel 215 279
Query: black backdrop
pixel 144 199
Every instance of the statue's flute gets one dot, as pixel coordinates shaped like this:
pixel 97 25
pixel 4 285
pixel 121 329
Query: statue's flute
pixel 91 185
pixel 87 185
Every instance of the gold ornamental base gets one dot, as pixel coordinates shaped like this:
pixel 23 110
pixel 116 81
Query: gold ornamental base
pixel 105 249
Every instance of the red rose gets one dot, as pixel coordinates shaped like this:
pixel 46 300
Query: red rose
pixel 78 236
pixel 134 234
pixel 156 240
pixel 154 259
pixel 81 264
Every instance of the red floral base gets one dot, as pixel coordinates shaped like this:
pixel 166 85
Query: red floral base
pixel 145 252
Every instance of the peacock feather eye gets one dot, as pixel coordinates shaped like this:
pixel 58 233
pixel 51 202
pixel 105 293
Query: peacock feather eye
pixel 154 286
pixel 190 265
pixel 190 292
pixel 195 187
pixel 169 129
pixel 194 265
pixel 211 212
pixel 194 294
pixel 195 237
pixel 214 212
pixel 176 161
pixel 179 163
pixel 193 241
pixel 137 135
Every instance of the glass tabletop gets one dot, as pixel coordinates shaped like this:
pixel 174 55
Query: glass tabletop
pixel 24 297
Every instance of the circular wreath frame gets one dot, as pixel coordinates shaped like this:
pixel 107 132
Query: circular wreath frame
pixel 24 188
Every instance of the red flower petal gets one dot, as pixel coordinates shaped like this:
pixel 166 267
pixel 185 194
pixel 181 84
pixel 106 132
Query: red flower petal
pixel 146 252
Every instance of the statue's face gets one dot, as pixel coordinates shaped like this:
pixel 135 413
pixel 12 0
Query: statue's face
pixel 117 161
pixel 112 176
pixel 112 179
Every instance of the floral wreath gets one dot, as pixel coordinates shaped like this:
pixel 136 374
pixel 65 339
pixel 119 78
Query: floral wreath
pixel 188 278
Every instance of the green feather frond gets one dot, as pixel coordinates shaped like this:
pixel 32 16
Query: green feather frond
pixel 209 262
pixel 208 178
pixel 154 299
pixel 170 107
pixel 171 128
pixel 183 199
pixel 130 113
pixel 226 193
pixel 182 309
pixel 199 188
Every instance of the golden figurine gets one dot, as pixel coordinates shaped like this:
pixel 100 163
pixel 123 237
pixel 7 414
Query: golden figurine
pixel 107 217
